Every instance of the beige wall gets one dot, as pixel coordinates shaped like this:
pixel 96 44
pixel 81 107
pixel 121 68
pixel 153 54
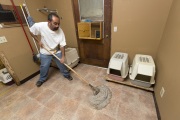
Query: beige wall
pixel 140 25
pixel 168 58
pixel 64 8
pixel 17 50
pixel 33 6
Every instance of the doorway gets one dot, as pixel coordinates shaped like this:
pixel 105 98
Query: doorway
pixel 93 51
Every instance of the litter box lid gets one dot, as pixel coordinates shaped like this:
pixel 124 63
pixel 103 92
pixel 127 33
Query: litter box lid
pixel 115 65
pixel 145 69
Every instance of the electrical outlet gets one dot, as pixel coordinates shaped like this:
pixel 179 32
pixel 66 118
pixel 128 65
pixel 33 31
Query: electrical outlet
pixel 3 39
pixel 115 28
pixel 162 92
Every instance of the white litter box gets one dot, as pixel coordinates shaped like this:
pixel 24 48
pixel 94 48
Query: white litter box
pixel 142 71
pixel 5 77
pixel 72 57
pixel 118 65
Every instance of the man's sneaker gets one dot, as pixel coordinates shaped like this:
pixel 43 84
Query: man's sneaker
pixel 69 77
pixel 39 83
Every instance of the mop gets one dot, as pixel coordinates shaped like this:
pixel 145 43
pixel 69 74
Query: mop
pixel 101 94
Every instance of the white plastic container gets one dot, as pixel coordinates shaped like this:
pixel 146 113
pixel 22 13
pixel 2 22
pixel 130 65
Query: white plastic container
pixel 118 65
pixel 5 77
pixel 72 57
pixel 142 71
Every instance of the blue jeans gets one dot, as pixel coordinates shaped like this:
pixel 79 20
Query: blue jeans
pixel 45 64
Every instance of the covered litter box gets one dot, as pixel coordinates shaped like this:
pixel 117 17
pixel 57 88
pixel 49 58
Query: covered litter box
pixel 72 57
pixel 142 71
pixel 118 66
pixel 5 77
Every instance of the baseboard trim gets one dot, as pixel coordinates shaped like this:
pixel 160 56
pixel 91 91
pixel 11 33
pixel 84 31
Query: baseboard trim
pixel 157 108
pixel 28 78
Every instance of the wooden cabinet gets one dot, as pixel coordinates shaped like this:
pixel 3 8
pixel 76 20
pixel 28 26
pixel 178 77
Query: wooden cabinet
pixel 90 30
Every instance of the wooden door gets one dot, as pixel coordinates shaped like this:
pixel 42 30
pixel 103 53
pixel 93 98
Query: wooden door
pixel 95 52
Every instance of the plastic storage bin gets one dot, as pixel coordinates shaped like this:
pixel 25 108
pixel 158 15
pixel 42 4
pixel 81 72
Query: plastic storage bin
pixel 142 71
pixel 72 58
pixel 118 65
pixel 5 77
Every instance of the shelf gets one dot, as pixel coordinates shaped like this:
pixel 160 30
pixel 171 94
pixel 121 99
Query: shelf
pixel 128 83
pixel 90 38
pixel 47 11
pixel 90 30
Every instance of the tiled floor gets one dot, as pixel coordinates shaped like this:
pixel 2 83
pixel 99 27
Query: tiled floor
pixel 60 99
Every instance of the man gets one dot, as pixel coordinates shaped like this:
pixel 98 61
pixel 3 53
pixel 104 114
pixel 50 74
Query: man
pixel 52 38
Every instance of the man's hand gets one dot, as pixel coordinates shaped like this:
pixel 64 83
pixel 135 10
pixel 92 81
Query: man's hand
pixel 62 60
pixel 40 44
pixel 63 54
pixel 36 38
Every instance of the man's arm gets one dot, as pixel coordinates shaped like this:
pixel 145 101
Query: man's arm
pixel 36 39
pixel 63 54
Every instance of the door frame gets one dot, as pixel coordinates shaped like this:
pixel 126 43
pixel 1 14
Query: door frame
pixel 107 33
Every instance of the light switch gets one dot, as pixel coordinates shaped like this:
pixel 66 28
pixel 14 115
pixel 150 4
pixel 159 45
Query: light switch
pixel 115 28
pixel 3 39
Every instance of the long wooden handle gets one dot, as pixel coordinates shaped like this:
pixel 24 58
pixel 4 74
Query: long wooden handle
pixel 67 66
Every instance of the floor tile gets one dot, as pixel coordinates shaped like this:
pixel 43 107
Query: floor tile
pixel 101 116
pixel 68 108
pixel 54 103
pixel 28 110
pixel 43 114
pixel 45 96
pixel 83 113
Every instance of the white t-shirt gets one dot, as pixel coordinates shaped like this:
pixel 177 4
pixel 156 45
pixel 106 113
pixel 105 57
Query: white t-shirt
pixel 50 39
